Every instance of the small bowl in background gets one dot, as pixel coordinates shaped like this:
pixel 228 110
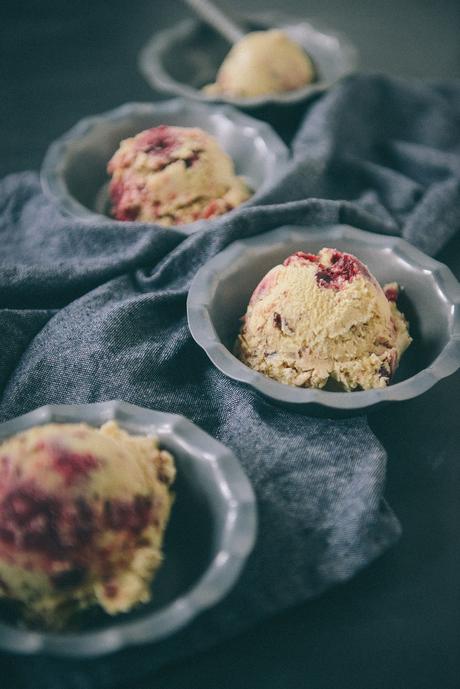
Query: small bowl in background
pixel 208 539
pixel 74 174
pixel 430 300
pixel 183 59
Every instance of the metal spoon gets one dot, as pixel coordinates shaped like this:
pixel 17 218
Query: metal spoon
pixel 218 19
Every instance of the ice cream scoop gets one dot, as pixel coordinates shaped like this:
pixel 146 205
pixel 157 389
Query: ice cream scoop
pixel 324 317
pixel 263 62
pixel 173 175
pixel 82 516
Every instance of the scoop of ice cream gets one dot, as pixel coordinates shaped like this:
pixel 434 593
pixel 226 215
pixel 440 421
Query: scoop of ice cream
pixel 321 317
pixel 261 63
pixel 82 516
pixel 173 175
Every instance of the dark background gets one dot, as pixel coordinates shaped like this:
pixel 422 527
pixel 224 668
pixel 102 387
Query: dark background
pixel 397 624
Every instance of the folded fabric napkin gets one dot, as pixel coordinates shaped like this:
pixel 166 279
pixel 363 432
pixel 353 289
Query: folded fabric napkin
pixel 95 311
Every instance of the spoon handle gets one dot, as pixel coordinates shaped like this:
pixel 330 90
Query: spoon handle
pixel 217 18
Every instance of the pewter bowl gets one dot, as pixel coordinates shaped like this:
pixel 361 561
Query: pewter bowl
pixel 183 59
pixel 430 299
pixel 208 539
pixel 74 172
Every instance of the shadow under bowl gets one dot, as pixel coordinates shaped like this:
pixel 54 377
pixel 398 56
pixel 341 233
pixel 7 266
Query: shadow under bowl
pixel 430 300
pixel 74 171
pixel 208 539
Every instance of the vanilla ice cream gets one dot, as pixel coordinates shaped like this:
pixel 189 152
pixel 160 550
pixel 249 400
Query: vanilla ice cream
pixel 323 317
pixel 82 516
pixel 173 175
pixel 263 62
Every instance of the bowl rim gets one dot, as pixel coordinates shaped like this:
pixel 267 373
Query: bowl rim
pixel 239 534
pixel 150 62
pixel 53 165
pixel 203 332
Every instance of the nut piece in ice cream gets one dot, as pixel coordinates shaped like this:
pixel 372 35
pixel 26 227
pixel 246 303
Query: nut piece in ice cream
pixel 173 175
pixel 321 317
pixel 261 63
pixel 82 516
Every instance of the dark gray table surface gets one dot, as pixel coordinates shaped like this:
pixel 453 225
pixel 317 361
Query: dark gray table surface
pixel 397 624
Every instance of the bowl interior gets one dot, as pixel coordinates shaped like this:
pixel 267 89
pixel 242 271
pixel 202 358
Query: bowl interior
pixel 84 159
pixel 193 536
pixel 421 300
pixel 202 50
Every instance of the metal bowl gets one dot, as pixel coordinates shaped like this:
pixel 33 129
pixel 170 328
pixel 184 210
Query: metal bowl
pixel 74 174
pixel 183 59
pixel 220 292
pixel 210 535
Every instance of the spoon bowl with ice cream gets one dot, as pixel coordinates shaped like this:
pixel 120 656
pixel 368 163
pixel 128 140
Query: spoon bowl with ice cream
pixel 270 59
pixel 259 63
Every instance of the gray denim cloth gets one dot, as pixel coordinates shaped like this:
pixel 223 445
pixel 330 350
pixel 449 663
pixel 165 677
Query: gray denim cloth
pixel 95 312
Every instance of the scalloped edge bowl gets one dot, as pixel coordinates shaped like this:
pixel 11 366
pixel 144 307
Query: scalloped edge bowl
pixel 328 44
pixel 237 535
pixel 243 137
pixel 247 252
